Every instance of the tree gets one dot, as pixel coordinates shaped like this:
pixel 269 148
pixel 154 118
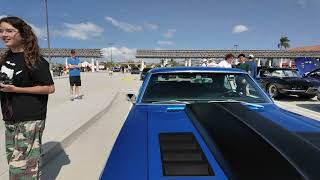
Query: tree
pixel 284 43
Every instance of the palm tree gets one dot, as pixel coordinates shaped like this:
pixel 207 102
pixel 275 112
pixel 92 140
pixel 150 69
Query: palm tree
pixel 284 43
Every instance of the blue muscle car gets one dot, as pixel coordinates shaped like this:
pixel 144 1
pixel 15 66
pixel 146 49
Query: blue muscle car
pixel 201 123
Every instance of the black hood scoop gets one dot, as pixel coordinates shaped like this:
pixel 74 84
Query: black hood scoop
pixel 250 146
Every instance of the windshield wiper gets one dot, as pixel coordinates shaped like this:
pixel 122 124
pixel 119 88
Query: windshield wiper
pixel 173 101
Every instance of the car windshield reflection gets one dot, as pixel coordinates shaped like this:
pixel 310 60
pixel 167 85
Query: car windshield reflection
pixel 202 87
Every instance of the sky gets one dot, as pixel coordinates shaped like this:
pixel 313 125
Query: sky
pixel 127 25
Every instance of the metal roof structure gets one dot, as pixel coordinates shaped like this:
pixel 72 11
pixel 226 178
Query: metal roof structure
pixel 141 53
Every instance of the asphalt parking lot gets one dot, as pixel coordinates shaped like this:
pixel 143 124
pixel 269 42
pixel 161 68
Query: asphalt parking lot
pixel 305 107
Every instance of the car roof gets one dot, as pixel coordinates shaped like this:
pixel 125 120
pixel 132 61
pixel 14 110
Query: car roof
pixel 146 69
pixel 194 69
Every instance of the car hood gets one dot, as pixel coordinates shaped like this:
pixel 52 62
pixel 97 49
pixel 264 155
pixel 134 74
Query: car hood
pixel 228 135
pixel 288 120
pixel 306 65
pixel 296 80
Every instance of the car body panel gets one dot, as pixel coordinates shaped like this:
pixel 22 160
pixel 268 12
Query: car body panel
pixel 136 152
pixel 161 120
pixel 128 157
pixel 306 65
pixel 309 68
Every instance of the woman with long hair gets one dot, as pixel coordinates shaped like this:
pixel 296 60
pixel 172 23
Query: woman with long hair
pixel 25 82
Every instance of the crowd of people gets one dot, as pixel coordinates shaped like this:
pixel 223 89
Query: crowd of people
pixel 244 63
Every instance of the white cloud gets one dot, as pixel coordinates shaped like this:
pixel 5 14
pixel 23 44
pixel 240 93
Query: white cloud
pixel 168 43
pixel 302 3
pixel 119 53
pixel 151 26
pixel 169 33
pixel 40 32
pixel 123 25
pixel 81 31
pixel 240 29
pixel 2 16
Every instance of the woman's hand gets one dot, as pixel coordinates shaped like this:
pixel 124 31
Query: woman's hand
pixel 7 88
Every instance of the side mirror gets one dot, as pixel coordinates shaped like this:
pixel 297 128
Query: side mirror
pixel 131 98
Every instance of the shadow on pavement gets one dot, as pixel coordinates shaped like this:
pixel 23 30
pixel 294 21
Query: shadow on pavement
pixel 53 160
pixel 312 107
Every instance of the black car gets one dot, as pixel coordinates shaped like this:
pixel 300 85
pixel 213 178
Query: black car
pixel 283 81
pixel 135 70
pixel 144 73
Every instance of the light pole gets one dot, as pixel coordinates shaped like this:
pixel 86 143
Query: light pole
pixel 236 47
pixel 124 56
pixel 48 36
pixel 111 49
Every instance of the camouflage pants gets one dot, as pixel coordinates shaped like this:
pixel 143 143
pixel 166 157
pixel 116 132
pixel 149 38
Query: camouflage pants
pixel 23 149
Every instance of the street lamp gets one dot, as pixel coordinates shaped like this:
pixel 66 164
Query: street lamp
pixel 48 36
pixel 124 56
pixel 236 47
pixel 111 49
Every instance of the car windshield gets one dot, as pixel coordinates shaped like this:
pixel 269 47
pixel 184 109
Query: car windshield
pixel 285 73
pixel 202 87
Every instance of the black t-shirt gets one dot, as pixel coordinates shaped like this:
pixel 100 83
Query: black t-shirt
pixel 19 107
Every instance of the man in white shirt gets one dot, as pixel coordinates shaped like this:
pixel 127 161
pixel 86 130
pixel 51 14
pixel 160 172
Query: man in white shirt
pixel 227 62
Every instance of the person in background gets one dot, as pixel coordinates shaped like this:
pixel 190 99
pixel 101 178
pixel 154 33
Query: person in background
pixel 242 65
pixel 24 97
pixel 74 76
pixel 252 66
pixel 226 63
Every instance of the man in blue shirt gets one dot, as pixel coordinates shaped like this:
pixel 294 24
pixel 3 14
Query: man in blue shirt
pixel 74 76
pixel 252 66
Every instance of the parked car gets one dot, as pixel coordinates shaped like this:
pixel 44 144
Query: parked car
pixel 143 73
pixel 57 71
pixel 309 68
pixel 135 70
pixel 284 81
pixel 211 124
pixel 116 69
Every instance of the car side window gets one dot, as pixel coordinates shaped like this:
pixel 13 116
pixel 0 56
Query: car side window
pixel 261 74
pixel 266 74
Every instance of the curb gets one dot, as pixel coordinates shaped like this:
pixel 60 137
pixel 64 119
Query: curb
pixel 60 77
pixel 58 147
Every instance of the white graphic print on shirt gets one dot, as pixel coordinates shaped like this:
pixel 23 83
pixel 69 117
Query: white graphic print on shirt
pixel 7 71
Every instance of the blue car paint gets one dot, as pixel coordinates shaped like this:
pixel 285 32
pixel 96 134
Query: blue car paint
pixel 306 65
pixel 290 121
pixel 128 158
pixel 136 153
pixel 161 120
